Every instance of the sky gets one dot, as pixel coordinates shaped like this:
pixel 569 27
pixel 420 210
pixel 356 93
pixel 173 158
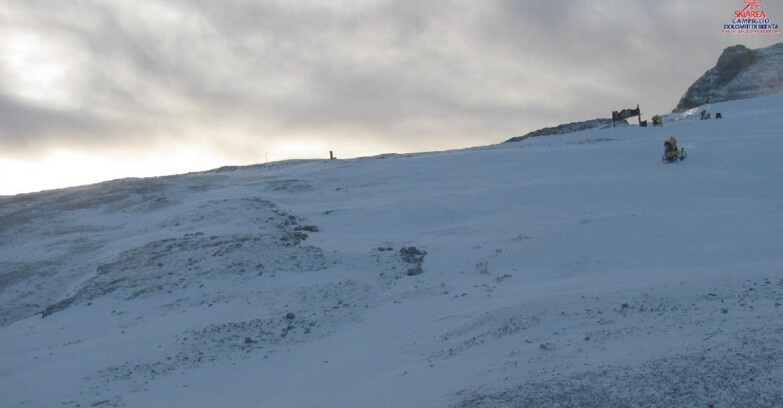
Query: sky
pixel 98 90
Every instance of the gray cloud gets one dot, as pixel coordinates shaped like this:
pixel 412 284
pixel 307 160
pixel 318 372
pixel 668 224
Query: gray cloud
pixel 25 128
pixel 391 75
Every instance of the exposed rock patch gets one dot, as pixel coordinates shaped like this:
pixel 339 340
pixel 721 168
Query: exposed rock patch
pixel 569 128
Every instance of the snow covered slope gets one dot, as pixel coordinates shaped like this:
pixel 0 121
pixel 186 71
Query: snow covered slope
pixel 573 270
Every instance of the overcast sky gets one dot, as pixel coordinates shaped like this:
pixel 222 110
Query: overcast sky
pixel 119 88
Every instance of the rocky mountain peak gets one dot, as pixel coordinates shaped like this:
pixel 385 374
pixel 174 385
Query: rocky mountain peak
pixel 734 59
pixel 739 73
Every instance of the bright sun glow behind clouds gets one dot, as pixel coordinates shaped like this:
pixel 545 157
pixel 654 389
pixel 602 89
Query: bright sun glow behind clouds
pixel 36 69
pixel 300 150
pixel 64 169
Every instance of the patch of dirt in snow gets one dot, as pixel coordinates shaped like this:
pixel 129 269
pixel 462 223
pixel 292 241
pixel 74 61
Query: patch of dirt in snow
pixel 28 285
pixel 223 343
pixel 736 377
pixel 233 340
pixel 52 239
pixel 264 240
pixel 202 270
pixel 322 310
pixel 287 315
pixel 241 213
pixel 178 263
pixel 728 355
pixel 291 186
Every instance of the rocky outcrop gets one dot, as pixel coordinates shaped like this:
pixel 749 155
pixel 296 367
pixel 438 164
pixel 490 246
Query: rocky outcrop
pixel 740 73
pixel 414 257
pixel 569 128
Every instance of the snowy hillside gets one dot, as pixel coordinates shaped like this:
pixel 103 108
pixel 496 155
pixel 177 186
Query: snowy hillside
pixel 572 270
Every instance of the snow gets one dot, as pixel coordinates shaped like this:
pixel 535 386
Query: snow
pixel 570 269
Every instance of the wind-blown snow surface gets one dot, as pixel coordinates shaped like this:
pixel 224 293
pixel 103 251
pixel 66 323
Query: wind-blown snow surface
pixel 573 270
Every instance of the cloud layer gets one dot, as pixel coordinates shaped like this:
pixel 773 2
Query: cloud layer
pixel 246 78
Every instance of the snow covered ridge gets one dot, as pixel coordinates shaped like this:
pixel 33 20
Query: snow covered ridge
pixel 601 123
pixel 572 270
pixel 740 73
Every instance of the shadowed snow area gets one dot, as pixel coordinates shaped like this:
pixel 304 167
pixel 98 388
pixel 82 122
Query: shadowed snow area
pixel 570 270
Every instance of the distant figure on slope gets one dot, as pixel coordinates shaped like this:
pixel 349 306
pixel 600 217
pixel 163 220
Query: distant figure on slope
pixel 670 151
